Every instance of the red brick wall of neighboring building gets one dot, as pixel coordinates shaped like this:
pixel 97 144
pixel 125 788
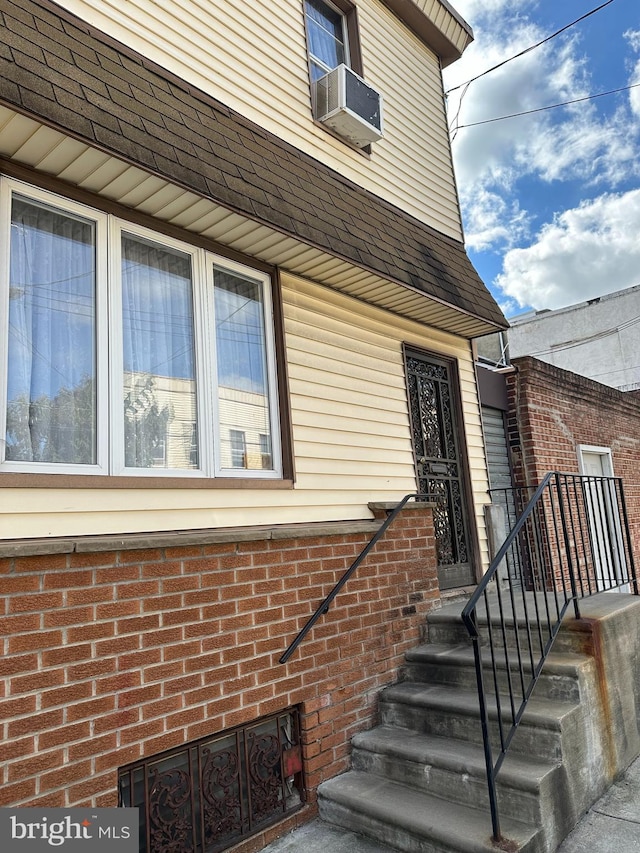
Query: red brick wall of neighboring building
pixel 552 412
pixel 112 656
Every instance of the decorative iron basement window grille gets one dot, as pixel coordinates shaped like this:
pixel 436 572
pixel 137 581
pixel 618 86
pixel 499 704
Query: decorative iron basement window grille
pixel 206 796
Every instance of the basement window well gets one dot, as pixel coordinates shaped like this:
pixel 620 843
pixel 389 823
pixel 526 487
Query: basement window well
pixel 208 795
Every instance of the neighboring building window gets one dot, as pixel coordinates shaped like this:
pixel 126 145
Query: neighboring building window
pixel 265 450
pixel 193 445
pixel 238 444
pixel 327 37
pixel 208 795
pixel 124 351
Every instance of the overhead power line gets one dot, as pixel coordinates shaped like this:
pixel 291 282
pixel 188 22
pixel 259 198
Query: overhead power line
pixel 465 86
pixel 530 48
pixel 549 107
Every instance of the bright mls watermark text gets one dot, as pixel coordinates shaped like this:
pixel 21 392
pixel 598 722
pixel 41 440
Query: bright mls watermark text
pixel 70 830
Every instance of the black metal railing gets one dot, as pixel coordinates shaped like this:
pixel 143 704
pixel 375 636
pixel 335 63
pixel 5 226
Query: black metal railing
pixel 323 608
pixel 571 540
pixel 513 501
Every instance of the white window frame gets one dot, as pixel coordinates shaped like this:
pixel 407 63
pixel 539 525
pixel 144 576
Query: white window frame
pixel 271 375
pixel 109 352
pixel 345 37
pixel 118 467
pixel 8 189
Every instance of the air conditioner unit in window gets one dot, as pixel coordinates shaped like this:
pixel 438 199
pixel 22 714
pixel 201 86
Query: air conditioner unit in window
pixel 349 106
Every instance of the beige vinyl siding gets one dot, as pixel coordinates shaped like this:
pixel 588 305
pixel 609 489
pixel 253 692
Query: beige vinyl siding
pixel 350 426
pixel 252 57
pixel 416 150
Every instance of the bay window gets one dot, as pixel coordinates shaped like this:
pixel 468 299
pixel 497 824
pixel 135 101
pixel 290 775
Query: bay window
pixel 129 352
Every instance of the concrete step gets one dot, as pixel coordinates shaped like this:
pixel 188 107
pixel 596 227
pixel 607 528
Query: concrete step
pixel 445 627
pixel 455 665
pixel 453 712
pixel 415 821
pixel 418 780
pixel 528 789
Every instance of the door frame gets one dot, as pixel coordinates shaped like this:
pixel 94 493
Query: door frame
pixel 619 558
pixel 468 507
pixel 603 452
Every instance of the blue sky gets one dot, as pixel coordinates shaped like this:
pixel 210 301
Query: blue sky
pixel 551 200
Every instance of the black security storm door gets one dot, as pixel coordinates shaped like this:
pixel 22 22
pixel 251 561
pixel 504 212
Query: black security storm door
pixel 436 444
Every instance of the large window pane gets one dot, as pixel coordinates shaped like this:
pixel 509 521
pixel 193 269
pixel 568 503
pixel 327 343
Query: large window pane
pixel 51 392
pixel 159 364
pixel 243 392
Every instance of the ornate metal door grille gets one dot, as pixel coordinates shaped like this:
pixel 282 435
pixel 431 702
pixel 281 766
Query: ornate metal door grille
pixel 208 795
pixel 436 447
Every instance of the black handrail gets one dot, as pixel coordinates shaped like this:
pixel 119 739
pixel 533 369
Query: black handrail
pixel 324 606
pixel 571 540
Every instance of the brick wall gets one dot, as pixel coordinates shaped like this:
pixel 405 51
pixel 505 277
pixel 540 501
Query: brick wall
pixel 111 656
pixel 552 411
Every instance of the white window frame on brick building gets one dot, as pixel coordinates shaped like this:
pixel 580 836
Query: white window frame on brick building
pixel 120 345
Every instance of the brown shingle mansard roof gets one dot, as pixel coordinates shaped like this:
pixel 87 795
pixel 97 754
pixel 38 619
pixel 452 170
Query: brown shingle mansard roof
pixel 66 74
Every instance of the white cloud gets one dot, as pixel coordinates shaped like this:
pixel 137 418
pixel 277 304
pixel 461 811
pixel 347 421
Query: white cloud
pixel 499 151
pixel 505 168
pixel 586 252
pixel 634 94
pixel 492 218
pixel 633 37
pixel 553 145
pixel 577 142
pixel 583 146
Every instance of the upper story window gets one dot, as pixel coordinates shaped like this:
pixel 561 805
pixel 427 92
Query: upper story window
pixel 127 352
pixel 327 37
pixel 332 36
pixel 341 100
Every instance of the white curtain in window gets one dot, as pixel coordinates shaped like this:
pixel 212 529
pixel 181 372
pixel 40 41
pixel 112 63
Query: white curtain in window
pixel 51 397
pixel 159 362
pixel 326 39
